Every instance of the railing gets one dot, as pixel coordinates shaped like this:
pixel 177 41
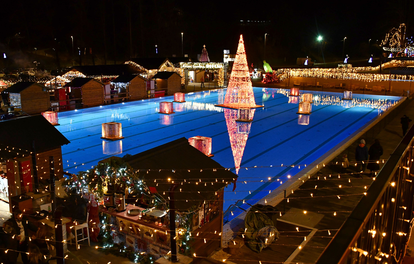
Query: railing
pixel 378 229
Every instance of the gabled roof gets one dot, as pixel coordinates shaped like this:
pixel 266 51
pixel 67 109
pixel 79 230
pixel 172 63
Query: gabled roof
pixel 22 132
pixel 164 75
pixel 197 176
pixel 105 70
pixel 149 63
pixel 79 82
pixel 126 78
pixel 20 86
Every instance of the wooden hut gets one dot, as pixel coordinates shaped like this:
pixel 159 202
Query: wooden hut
pixel 168 81
pixel 86 92
pixel 29 97
pixel 196 183
pixel 133 87
pixel 27 143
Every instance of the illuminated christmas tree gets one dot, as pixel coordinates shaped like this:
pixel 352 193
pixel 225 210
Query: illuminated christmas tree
pixel 239 91
pixel 204 55
pixel 238 134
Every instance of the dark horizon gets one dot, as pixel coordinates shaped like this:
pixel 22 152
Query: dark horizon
pixel 107 32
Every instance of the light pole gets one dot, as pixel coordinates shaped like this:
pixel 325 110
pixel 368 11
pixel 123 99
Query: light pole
pixel 343 48
pixel 182 46
pixel 320 40
pixel 72 49
pixel 264 56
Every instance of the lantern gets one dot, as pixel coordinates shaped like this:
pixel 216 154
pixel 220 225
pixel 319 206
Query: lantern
pixel 305 108
pixel 203 144
pixel 347 95
pixel 111 147
pixel 112 131
pixel 51 116
pixel 307 97
pixel 293 100
pixel 245 115
pixel 179 97
pixel 166 108
pixel 303 120
pixel 294 91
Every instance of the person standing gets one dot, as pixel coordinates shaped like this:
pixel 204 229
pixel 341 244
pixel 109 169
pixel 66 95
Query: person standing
pixel 361 156
pixel 375 152
pixel 405 122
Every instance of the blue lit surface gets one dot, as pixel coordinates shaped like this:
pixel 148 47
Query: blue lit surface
pixel 273 141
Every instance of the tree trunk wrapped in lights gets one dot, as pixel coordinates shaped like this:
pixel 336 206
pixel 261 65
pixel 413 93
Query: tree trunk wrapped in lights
pixel 240 91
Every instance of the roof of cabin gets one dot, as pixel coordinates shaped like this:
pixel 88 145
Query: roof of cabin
pixel 79 82
pixel 164 75
pixel 22 133
pixel 126 78
pixel 197 176
pixel 104 70
pixel 20 86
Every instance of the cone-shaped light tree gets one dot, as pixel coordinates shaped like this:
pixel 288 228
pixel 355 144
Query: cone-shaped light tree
pixel 239 91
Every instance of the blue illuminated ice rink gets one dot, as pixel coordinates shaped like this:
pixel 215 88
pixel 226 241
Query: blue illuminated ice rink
pixel 277 143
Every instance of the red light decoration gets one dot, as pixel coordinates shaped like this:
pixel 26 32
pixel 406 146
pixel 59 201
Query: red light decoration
pixel 166 108
pixel 303 120
pixel 112 131
pixel 305 108
pixel 179 97
pixel 294 91
pixel 51 116
pixel 239 92
pixel 238 134
pixel 203 144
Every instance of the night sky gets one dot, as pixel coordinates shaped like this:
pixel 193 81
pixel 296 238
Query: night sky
pixel 107 32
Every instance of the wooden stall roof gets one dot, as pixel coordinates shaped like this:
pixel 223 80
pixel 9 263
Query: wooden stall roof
pixel 149 63
pixel 20 86
pixel 105 70
pixel 79 82
pixel 126 78
pixel 21 132
pixel 197 176
pixel 164 75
